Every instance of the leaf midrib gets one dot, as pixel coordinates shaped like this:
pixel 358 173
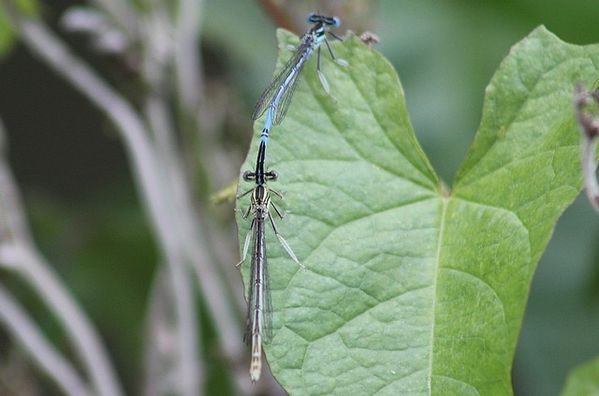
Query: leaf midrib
pixel 444 201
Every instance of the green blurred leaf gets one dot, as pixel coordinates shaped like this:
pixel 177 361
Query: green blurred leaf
pixel 6 35
pixel 583 380
pixel 409 289
pixel 29 7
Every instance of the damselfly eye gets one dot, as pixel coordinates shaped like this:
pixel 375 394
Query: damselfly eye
pixel 334 21
pixel 249 176
pixel 312 17
pixel 272 175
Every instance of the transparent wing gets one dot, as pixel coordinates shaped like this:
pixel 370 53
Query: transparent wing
pixel 267 309
pixel 259 304
pixel 285 80
pixel 246 243
pixel 252 295
pixel 289 90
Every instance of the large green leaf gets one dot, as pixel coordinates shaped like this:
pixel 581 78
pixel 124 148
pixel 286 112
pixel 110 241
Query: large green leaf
pixel 409 289
pixel 583 380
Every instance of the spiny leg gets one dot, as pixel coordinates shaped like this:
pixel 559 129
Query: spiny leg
pixel 245 193
pixel 336 36
pixel 247 212
pixel 284 243
pixel 275 192
pixel 323 79
pixel 339 61
pixel 277 211
pixel 246 244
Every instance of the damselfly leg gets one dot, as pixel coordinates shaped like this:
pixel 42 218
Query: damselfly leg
pixel 252 209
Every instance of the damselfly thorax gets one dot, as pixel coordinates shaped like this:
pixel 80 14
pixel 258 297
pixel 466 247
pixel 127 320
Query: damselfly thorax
pixel 260 202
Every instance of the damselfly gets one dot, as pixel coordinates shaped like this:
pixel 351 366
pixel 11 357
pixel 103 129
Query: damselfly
pixel 276 98
pixel 259 313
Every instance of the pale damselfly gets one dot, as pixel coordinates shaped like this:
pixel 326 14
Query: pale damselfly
pixel 259 313
pixel 276 98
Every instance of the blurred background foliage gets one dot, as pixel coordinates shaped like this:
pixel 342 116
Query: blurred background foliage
pixel 86 214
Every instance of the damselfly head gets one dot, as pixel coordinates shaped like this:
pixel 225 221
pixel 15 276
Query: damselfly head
pixel 314 17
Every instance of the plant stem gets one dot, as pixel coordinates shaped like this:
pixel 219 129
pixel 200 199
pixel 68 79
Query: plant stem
pixel 28 263
pixel 23 329
pixel 173 219
pixel 187 57
pixel 590 136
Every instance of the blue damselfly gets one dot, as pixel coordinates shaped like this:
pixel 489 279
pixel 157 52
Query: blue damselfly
pixel 276 98
pixel 259 313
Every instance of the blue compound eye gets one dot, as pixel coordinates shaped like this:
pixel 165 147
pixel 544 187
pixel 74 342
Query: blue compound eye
pixel 336 22
pixel 312 17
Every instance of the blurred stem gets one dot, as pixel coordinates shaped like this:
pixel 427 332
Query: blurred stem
pixel 161 125
pixel 160 343
pixel 189 81
pixel 122 13
pixel 22 328
pixel 195 242
pixel 590 134
pixel 589 168
pixel 150 174
pixel 27 262
pixel 187 58
pixel 190 370
pixel 172 216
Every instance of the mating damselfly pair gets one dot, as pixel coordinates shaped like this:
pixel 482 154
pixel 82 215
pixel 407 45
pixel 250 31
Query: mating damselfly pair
pixel 275 101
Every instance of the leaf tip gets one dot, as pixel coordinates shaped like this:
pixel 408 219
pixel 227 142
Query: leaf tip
pixel 541 31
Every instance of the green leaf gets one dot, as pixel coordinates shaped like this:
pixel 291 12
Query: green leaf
pixel 409 289
pixel 583 380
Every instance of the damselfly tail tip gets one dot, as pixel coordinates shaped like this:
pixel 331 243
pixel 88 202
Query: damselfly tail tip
pixel 255 373
pixel 256 362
